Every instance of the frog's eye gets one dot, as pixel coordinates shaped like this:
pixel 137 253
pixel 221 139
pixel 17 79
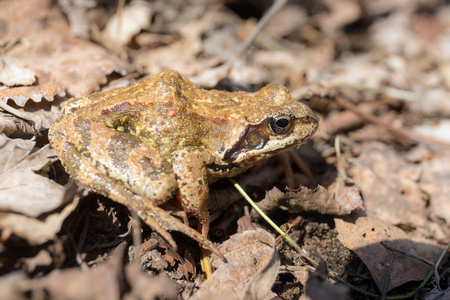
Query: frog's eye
pixel 280 124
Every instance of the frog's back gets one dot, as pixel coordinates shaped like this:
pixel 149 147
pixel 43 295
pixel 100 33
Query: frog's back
pixel 170 112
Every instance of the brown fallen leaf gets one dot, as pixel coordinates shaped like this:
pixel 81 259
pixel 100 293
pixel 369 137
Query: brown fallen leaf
pixel 15 127
pixel 35 231
pixel 437 294
pixel 338 15
pixel 441 130
pixel 60 61
pixel 363 234
pixel 77 13
pixel 182 54
pixel 435 182
pixel 344 200
pixel 9 284
pixel 250 271
pixel 105 281
pixel 433 101
pixel 19 182
pixel 286 21
pixel 26 195
pixel 390 186
pixel 132 19
pixel 12 72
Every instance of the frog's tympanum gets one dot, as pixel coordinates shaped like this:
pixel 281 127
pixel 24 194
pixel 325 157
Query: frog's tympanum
pixel 166 138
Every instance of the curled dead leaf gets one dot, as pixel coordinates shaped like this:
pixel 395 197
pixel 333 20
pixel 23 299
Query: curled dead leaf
pixel 307 200
pixel 250 271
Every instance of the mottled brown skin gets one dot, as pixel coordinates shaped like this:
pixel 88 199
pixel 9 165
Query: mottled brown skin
pixel 143 144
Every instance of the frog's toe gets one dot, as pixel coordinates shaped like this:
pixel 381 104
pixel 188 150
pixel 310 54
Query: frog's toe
pixel 151 221
pixel 163 219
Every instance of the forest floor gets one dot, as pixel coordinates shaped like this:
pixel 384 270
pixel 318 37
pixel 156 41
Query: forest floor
pixel 366 198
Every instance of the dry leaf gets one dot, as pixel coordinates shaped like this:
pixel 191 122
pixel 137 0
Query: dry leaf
pixel 191 53
pixel 15 127
pixel 357 71
pixel 250 271
pixel 286 21
pixel 178 55
pixel 346 195
pixel 100 283
pixel 437 294
pixel 106 281
pixel 318 200
pixel 133 18
pixel 20 95
pixel 19 182
pixel 363 234
pixel 12 72
pixel 35 231
pixel 18 193
pixel 435 182
pixel 9 284
pixel 78 14
pixel 61 62
pixel 390 186
pixel 339 14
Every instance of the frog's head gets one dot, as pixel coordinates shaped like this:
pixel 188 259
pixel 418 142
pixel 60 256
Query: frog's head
pixel 272 122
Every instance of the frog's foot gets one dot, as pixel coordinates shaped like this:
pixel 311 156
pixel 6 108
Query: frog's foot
pixel 162 221
pixel 153 213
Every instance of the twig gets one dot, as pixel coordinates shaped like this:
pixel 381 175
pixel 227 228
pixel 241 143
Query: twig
pixel 276 7
pixel 400 132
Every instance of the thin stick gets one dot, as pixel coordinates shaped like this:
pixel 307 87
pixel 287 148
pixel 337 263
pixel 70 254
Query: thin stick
pixel 276 6
pixel 400 132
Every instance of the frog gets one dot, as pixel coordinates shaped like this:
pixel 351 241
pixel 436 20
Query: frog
pixel 156 145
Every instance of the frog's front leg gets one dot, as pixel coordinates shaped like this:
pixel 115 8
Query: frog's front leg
pixel 189 166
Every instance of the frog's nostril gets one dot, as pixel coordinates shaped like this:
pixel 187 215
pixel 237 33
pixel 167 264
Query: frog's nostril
pixel 306 119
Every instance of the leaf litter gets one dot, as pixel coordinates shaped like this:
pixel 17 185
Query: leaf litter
pixel 377 72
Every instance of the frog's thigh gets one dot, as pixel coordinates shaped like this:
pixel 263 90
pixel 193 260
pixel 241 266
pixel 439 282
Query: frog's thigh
pixel 189 166
pixel 124 158
pixel 152 215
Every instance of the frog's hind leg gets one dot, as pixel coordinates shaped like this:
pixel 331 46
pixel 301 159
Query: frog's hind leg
pixel 82 171
pixel 105 170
